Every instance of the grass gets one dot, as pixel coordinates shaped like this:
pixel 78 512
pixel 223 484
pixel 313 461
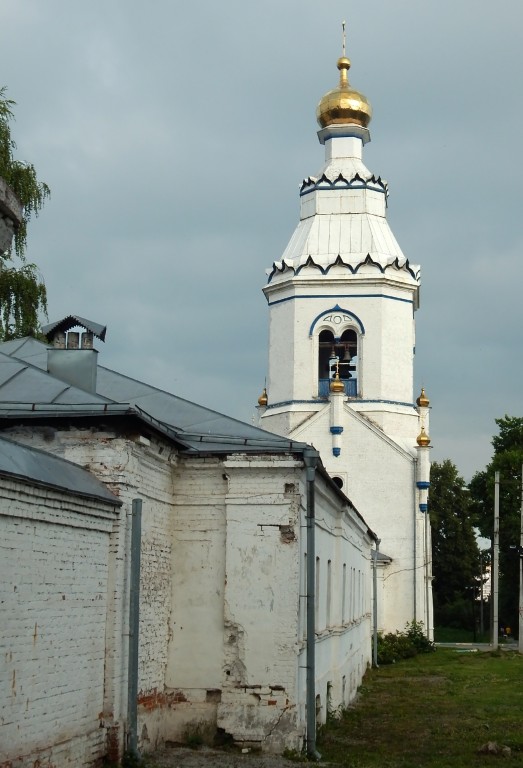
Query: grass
pixel 433 711
pixel 451 635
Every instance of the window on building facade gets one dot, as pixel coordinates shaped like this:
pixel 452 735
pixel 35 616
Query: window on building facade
pixel 338 355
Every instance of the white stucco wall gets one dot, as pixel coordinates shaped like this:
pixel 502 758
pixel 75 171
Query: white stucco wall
pixel 343 619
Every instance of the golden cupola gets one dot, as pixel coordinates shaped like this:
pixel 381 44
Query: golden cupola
pixel 344 105
pixel 423 440
pixel 423 401
pixel 336 384
pixel 263 398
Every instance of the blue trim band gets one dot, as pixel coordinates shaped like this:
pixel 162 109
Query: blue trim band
pixel 324 400
pixel 342 296
pixel 336 451
pixel 336 430
pixel 423 484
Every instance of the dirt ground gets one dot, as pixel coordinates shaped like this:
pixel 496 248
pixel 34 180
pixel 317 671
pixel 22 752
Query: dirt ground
pixel 181 757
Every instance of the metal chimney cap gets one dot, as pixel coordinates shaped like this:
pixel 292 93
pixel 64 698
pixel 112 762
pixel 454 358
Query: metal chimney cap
pixel 71 321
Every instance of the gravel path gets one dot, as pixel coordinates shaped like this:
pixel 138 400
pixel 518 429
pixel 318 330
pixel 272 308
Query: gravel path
pixel 181 757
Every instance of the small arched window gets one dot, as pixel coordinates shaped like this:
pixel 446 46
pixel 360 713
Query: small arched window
pixel 338 355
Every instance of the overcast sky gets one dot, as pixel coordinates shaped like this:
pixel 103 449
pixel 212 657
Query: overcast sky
pixel 174 136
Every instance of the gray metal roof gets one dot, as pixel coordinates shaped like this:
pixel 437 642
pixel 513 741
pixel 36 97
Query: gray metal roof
pixel 30 464
pixel 23 382
pixel 198 426
pixel 28 349
pixel 27 389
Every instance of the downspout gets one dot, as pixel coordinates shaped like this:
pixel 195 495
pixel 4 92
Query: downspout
pixel 310 459
pixel 134 629
pixel 375 604
pixel 415 537
pixel 427 574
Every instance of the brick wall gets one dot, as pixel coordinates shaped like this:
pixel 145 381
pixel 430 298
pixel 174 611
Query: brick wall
pixel 54 558
pixel 221 623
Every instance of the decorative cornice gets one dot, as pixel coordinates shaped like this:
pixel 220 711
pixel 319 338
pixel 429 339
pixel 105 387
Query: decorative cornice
pixel 340 261
pixel 375 183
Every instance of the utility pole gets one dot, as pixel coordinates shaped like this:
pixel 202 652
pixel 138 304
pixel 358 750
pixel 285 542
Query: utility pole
pixel 481 627
pixel 495 565
pixel 520 635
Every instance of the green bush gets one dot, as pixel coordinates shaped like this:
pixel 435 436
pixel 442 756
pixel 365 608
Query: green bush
pixel 395 646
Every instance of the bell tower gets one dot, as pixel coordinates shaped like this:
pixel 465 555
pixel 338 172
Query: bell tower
pixel 341 304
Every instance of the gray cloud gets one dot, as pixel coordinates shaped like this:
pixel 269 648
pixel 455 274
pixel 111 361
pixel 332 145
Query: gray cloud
pixel 174 137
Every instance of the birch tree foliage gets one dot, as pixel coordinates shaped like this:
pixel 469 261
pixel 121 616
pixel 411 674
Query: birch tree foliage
pixel 22 290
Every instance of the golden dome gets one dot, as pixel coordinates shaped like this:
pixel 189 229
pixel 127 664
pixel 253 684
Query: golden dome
pixel 423 440
pixel 343 104
pixel 337 384
pixel 263 399
pixel 423 401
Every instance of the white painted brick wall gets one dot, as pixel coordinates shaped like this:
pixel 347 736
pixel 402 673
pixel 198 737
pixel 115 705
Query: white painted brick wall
pixel 220 589
pixel 54 550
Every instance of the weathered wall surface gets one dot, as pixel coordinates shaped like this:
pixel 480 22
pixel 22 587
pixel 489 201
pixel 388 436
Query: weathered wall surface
pixel 222 583
pixel 54 555
pixel 343 610
pixel 186 703
pixel 379 477
pixel 132 466
pixel 262 563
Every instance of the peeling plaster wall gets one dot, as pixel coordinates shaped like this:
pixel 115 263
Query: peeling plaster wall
pixel 193 677
pixel 261 609
pixel 54 556
pixel 264 693
pixel 222 585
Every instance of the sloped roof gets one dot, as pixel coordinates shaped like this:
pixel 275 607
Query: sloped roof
pixel 26 388
pixel 32 465
pixel 24 382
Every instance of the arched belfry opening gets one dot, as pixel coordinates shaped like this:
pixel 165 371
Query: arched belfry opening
pixel 338 354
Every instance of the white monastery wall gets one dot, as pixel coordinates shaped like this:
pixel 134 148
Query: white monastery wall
pixel 379 477
pixel 222 571
pixel 187 701
pixel 55 553
pixel 261 602
pixel 343 617
pixel 132 467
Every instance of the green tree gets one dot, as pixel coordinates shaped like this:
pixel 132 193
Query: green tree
pixel 455 553
pixel 22 292
pixel 507 460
